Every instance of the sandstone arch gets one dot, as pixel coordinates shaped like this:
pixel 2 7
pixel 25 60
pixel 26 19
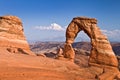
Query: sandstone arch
pixel 101 52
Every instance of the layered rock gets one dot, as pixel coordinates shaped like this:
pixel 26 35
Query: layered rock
pixel 12 35
pixel 101 54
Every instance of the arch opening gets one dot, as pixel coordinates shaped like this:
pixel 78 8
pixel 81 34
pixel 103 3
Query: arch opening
pixel 82 48
pixel 82 37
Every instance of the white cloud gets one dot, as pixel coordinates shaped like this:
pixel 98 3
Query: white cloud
pixel 113 35
pixel 111 32
pixel 53 26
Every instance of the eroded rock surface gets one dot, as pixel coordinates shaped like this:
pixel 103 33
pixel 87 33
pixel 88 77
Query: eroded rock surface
pixel 12 35
pixel 101 55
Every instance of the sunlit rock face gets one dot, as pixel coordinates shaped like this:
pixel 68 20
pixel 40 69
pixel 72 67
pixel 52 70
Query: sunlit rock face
pixel 12 35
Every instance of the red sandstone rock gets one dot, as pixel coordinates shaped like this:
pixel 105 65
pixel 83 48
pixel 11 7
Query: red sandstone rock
pixel 12 35
pixel 69 52
pixel 60 52
pixel 101 54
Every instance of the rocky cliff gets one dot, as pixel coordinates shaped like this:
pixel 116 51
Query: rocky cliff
pixel 12 36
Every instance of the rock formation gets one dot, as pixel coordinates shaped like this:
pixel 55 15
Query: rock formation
pixel 101 54
pixel 12 36
pixel 60 52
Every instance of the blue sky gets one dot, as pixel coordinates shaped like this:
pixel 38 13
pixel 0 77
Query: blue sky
pixel 46 20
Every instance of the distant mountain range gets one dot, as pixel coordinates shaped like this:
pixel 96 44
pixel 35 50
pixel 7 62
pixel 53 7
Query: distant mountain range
pixel 41 46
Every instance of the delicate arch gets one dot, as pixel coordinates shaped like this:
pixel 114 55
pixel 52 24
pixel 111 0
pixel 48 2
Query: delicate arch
pixel 101 52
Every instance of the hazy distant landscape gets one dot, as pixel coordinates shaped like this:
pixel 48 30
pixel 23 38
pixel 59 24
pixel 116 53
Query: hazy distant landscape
pixel 42 46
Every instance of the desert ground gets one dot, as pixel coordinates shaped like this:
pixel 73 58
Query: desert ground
pixel 27 67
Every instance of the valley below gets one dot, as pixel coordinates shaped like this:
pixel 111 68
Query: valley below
pixel 82 50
